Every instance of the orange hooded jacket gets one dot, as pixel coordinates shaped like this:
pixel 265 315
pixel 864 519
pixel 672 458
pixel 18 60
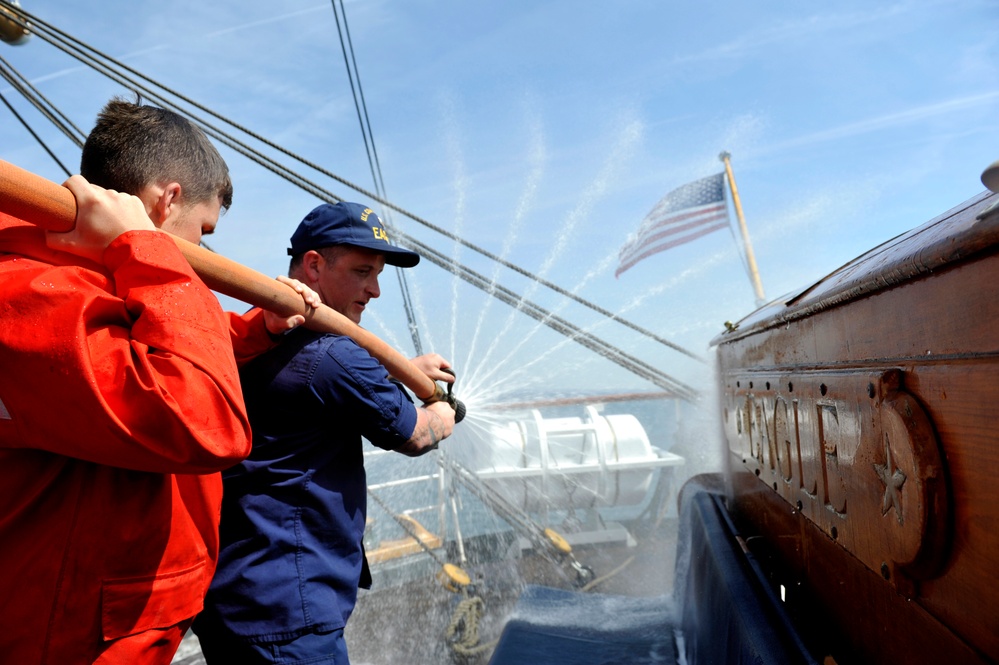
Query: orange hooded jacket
pixel 119 405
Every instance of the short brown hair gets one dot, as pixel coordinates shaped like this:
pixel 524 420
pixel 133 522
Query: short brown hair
pixel 134 145
pixel 330 254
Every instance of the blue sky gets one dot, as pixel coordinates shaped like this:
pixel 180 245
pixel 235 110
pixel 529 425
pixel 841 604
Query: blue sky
pixel 544 131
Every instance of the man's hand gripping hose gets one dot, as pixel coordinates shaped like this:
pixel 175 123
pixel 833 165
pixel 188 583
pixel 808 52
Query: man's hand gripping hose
pixel 440 396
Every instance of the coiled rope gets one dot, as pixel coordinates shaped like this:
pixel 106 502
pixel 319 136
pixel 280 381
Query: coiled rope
pixel 463 631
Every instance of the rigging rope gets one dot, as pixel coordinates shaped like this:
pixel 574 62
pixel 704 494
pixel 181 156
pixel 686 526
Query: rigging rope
pixel 92 57
pixel 463 631
pixel 36 136
pixel 540 538
pixel 557 323
pixel 408 529
pixel 42 103
pixel 603 578
pixel 372 195
pixel 376 169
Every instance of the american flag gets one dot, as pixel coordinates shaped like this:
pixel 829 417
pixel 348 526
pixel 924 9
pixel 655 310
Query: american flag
pixel 686 213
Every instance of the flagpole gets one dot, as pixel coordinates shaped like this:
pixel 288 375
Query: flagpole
pixel 754 274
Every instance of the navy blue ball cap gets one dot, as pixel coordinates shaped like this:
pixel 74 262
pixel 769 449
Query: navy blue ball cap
pixel 348 224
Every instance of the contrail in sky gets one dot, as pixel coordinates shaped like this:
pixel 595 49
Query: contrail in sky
pixel 892 120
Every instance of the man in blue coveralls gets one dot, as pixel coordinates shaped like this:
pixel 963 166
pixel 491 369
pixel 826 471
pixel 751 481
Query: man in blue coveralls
pixel 293 513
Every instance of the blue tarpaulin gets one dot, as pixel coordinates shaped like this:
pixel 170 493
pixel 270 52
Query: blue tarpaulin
pixel 725 612
pixel 557 627
pixel 729 612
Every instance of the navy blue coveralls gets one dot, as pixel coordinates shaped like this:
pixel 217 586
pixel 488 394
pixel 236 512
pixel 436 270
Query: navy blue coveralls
pixel 293 513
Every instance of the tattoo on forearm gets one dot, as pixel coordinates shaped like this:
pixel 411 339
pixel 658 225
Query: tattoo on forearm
pixel 434 439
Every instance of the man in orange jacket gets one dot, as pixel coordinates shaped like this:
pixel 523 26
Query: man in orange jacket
pixel 119 402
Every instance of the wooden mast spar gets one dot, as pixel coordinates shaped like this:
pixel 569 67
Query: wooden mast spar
pixel 754 273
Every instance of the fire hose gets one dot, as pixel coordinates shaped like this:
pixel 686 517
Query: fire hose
pixel 33 198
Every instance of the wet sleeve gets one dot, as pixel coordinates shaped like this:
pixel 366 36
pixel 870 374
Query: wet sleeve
pixel 133 368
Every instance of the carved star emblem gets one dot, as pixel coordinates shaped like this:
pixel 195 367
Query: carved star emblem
pixel 893 479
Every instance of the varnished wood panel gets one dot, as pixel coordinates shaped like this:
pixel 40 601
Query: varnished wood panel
pixel 843 608
pixel 861 422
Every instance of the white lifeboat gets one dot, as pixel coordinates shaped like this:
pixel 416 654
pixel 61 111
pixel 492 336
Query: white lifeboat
pixel 579 462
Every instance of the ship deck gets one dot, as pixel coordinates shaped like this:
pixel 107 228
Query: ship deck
pixel 408 621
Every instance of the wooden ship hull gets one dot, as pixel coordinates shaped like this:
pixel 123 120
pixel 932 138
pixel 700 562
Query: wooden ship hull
pixel 859 423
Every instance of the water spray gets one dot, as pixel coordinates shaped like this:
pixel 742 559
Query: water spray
pixel 463 630
pixel 32 198
pixel 451 577
pixel 547 541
